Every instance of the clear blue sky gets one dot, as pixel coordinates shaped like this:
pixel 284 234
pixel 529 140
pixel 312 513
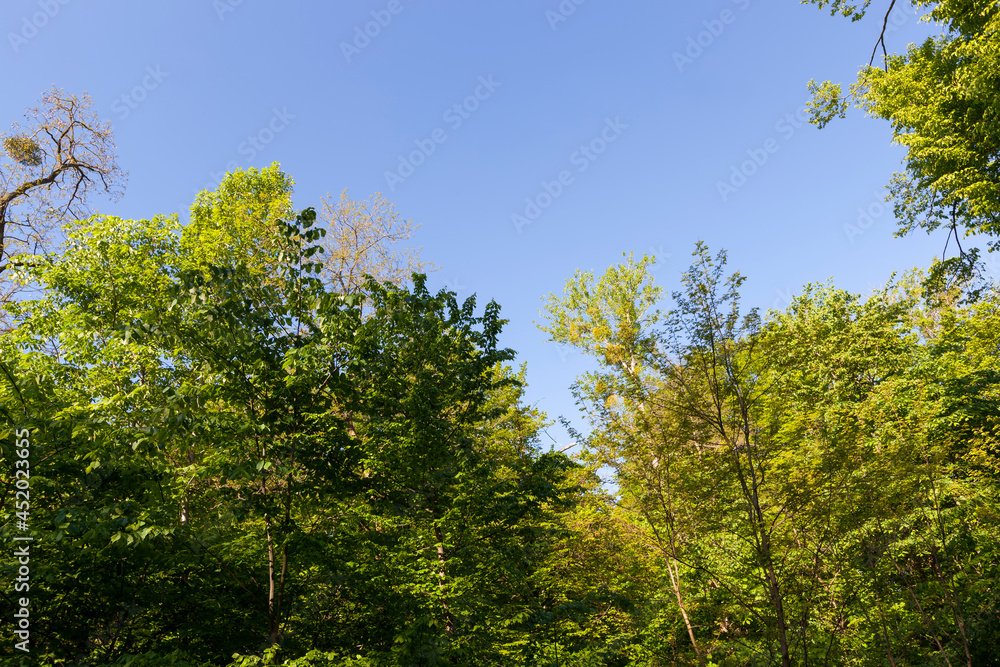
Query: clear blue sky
pixel 194 88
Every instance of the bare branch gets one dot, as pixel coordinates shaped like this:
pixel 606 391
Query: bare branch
pixel 881 39
pixel 64 153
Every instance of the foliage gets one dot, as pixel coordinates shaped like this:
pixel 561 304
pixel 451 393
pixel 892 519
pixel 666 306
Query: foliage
pixel 23 150
pixel 56 161
pixel 941 98
pixel 231 459
pixel 805 480
pixel 240 221
pixel 852 10
pixel 234 464
pixel 358 242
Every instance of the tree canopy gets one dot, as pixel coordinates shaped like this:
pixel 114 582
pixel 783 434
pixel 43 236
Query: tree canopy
pixel 260 439
pixel 941 98
pixel 50 167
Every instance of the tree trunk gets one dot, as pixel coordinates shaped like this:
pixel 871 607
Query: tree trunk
pixel 441 557
pixel 272 593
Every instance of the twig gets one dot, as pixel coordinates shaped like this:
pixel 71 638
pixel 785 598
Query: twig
pixel 881 39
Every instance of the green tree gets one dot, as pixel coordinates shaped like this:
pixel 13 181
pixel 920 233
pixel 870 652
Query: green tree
pixel 817 486
pixel 700 375
pixel 242 221
pixel 236 460
pixel 941 98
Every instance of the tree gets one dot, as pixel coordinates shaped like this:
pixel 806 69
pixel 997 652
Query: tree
pixel 816 485
pixel 451 486
pixel 612 319
pixel 358 243
pixel 241 221
pixel 702 375
pixel 942 101
pixel 53 163
pixel 888 399
pixel 235 460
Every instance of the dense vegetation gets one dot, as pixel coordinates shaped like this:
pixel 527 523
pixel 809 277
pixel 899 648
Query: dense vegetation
pixel 259 439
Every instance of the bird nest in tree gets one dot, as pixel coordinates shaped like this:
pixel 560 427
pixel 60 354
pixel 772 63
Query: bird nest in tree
pixel 23 150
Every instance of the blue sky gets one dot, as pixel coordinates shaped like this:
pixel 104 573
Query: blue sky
pixel 632 126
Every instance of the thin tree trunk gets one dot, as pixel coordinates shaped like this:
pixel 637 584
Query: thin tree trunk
pixel 881 612
pixel 947 581
pixel 675 584
pixel 927 621
pixel 759 526
pixel 272 602
pixel 441 557
pixel 675 575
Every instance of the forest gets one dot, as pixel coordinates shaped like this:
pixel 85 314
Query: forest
pixel 258 438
